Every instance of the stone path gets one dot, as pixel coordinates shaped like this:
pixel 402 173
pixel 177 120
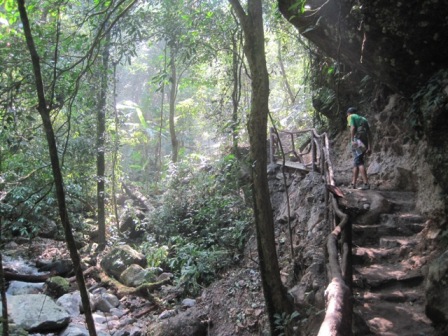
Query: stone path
pixel 388 285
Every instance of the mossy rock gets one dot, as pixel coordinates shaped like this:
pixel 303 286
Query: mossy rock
pixel 120 258
pixel 56 287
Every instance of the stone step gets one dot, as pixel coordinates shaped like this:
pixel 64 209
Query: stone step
pixel 402 218
pixel 384 275
pixel 369 235
pixel 395 319
pixel 397 241
pixel 412 295
pixel 371 255
pixel 402 201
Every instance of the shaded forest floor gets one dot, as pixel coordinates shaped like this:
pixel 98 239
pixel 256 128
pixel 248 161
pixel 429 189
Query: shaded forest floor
pixel 388 256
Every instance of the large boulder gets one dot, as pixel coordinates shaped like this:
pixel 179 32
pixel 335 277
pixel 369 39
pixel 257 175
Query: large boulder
pixel 120 258
pixel 37 313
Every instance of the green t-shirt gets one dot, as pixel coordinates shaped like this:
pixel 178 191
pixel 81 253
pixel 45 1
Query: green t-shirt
pixel 361 126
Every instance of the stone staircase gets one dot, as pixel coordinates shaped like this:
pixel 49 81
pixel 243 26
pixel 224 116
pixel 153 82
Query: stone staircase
pixel 388 284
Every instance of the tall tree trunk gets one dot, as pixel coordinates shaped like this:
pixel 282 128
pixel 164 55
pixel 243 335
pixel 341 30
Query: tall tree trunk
pixel 173 94
pixel 101 148
pixel 55 165
pixel 275 294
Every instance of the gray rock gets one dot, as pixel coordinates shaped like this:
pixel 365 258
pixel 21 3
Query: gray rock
pixel 20 287
pixel 167 313
pixel 37 313
pixel 105 302
pixel 136 275
pixel 71 302
pixel 75 330
pixel 118 312
pixel 164 276
pixel 374 168
pixel 188 303
pixel 48 228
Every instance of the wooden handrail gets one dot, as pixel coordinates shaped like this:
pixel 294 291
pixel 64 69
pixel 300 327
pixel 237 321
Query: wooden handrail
pixel 338 315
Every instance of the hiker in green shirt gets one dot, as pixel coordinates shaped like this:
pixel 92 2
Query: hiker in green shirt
pixel 361 145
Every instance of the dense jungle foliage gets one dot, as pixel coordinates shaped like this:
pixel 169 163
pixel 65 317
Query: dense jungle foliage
pixel 157 90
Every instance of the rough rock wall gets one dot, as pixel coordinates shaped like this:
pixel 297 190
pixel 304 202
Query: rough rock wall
pixel 305 276
pixel 392 64
pixel 398 159
pixel 400 43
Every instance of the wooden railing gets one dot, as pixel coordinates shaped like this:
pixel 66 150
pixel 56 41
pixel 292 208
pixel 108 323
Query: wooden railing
pixel 314 154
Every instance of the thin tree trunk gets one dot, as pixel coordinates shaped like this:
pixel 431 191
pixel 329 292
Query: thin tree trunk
pixel 5 322
pixel 173 94
pixel 275 294
pixel 291 96
pixel 101 148
pixel 236 91
pixel 115 152
pixel 55 165
pixel 159 140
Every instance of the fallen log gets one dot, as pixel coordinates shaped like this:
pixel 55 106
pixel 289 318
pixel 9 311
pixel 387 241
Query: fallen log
pixel 10 276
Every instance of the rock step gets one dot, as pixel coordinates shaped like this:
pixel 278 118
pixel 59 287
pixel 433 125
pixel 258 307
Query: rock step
pixel 395 319
pixel 372 255
pixel 385 275
pixel 411 295
pixel 404 201
pixel 370 235
pixel 401 218
pixel 397 241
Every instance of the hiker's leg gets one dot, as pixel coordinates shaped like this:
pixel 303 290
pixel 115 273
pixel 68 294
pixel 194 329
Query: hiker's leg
pixel 362 170
pixel 355 175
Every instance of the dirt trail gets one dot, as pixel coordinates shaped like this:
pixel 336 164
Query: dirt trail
pixel 388 284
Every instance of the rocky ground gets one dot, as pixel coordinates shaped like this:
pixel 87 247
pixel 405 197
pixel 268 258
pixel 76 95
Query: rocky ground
pixel 234 305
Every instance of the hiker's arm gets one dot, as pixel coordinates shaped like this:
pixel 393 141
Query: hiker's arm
pixel 352 133
pixel 369 144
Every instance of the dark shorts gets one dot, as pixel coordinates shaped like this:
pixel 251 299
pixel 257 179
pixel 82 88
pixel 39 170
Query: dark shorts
pixel 358 159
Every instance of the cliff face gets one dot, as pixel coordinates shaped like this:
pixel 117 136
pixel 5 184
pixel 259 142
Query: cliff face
pixel 400 43
pixel 391 61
